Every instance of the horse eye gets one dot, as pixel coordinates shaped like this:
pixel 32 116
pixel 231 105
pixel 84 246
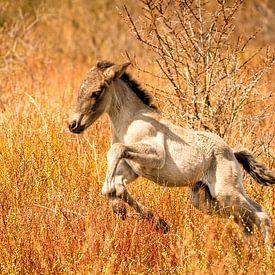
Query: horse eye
pixel 96 94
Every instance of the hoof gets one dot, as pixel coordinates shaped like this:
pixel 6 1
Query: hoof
pixel 120 210
pixel 163 226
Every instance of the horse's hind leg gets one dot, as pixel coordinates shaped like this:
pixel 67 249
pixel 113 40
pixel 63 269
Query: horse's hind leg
pixel 247 213
pixel 265 222
pixel 202 199
pixel 226 187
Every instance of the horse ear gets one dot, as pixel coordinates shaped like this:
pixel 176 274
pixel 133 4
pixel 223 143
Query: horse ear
pixel 103 64
pixel 120 70
pixel 116 71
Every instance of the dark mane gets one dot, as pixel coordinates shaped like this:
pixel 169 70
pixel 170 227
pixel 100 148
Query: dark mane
pixel 138 90
pixel 133 84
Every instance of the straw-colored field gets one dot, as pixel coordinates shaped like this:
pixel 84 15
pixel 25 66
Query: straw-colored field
pixel 53 219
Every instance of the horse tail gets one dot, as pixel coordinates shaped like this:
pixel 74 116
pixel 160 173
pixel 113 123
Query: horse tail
pixel 256 169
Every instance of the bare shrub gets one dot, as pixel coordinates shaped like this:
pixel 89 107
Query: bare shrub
pixel 209 70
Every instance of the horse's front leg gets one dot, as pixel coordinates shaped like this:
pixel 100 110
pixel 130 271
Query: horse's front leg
pixel 120 173
pixel 145 213
pixel 149 155
pixel 117 194
pixel 114 187
pixel 116 180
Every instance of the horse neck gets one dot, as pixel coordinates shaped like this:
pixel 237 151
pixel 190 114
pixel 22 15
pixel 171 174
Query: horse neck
pixel 124 105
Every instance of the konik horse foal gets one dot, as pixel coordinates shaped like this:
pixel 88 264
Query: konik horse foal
pixel 144 144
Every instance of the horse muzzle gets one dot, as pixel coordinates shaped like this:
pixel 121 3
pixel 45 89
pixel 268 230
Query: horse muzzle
pixel 76 128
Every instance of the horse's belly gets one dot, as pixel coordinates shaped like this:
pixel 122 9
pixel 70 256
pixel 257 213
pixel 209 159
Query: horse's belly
pixel 185 164
pixel 171 174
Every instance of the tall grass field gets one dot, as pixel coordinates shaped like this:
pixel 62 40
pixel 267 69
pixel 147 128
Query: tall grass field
pixel 53 218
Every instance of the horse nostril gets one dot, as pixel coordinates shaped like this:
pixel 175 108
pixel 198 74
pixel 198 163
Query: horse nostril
pixel 73 125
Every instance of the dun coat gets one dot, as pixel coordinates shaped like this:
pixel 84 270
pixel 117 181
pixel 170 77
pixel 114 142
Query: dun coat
pixel 144 144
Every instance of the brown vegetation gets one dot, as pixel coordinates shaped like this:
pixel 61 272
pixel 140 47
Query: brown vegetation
pixel 53 218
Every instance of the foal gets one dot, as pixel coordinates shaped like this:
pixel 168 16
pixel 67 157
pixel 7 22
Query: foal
pixel 144 144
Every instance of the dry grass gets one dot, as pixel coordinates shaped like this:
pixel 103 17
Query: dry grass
pixel 53 219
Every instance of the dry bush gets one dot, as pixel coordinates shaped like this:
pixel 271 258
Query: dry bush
pixel 207 66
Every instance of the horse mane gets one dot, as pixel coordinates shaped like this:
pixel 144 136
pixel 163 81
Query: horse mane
pixel 140 92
